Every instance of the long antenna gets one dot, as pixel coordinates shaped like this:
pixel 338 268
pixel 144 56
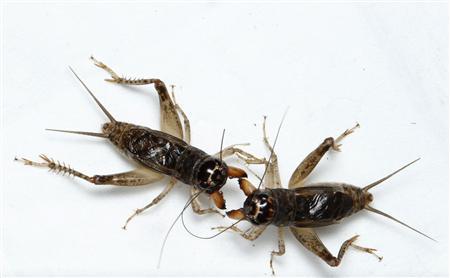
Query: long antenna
pixel 208 237
pixel 273 148
pixel 189 201
pixel 221 144
pixel 110 117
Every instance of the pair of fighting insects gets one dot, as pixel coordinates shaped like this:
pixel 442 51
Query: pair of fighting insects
pixel 301 207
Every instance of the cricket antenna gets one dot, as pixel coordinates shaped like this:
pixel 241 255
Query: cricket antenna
pixel 189 201
pixel 273 147
pixel 369 208
pixel 368 187
pixel 208 237
pixel 110 117
pixel 221 144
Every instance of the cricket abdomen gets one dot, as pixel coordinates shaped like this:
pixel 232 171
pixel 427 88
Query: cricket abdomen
pixel 318 205
pixel 159 151
pixel 156 150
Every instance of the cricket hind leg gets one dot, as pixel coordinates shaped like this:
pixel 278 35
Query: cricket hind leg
pixel 187 138
pixel 169 119
pixel 139 176
pixel 311 160
pixel 309 239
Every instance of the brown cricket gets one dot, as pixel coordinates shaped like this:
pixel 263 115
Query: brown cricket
pixel 158 153
pixel 303 207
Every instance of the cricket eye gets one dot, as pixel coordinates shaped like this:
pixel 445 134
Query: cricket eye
pixel 263 199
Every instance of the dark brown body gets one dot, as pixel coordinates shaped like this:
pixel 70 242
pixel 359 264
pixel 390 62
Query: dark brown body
pixel 162 152
pixel 303 206
pixel 316 205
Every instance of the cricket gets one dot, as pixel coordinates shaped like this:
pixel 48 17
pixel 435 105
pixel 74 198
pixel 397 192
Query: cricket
pixel 159 153
pixel 303 207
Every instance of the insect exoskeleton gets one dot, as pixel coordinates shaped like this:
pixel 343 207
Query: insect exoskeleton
pixel 303 207
pixel 158 153
pixel 310 206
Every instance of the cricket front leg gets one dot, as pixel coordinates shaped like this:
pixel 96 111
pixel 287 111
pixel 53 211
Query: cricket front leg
pixel 241 154
pixel 196 205
pixel 251 234
pixel 139 176
pixel 169 119
pixel 272 179
pixel 310 162
pixel 281 248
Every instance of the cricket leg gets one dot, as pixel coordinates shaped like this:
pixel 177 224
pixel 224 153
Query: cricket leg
pixel 187 124
pixel 367 250
pixel 139 176
pixel 308 238
pixel 281 248
pixel 172 118
pixel 310 162
pixel 251 234
pixel 241 154
pixel 155 201
pixel 196 206
pixel 169 119
pixel 272 179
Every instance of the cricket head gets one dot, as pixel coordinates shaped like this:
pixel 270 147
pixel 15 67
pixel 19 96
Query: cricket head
pixel 211 174
pixel 259 207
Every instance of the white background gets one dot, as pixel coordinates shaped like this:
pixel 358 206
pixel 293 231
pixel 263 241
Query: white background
pixel 382 65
